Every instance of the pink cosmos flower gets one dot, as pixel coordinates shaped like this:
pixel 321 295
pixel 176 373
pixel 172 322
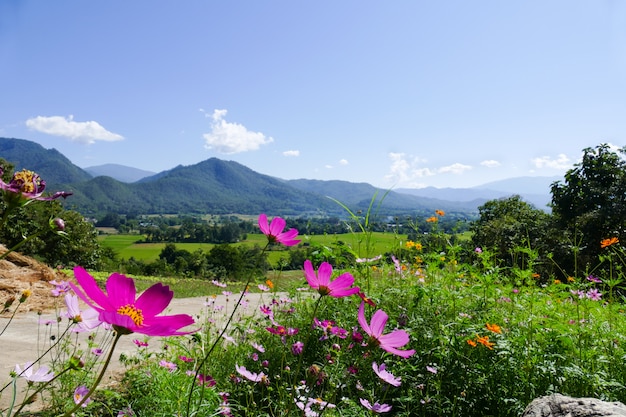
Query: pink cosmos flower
pixel 42 374
pixel 389 342
pixel 340 287
pixel 274 231
pixel 126 314
pixel 251 376
pixel 171 366
pixel 79 394
pixel 85 320
pixel 386 375
pixel 60 287
pixel 376 407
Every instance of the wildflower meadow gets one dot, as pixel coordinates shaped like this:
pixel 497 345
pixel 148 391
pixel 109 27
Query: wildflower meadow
pixel 420 330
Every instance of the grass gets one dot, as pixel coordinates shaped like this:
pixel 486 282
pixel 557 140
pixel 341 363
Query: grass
pixel 126 246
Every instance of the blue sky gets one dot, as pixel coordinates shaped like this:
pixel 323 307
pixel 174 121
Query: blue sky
pixel 395 94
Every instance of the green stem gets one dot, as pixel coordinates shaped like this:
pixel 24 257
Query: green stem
pixel 102 371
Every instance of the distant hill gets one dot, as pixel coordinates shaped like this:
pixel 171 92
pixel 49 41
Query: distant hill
pixel 50 164
pixel 534 190
pixel 119 172
pixel 216 186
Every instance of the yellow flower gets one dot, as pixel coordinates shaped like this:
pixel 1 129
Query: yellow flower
pixel 25 295
pixel 605 243
pixel 440 213
pixel 432 219
pixel 570 279
pixel 557 281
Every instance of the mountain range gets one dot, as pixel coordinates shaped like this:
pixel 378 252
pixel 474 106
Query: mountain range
pixel 215 186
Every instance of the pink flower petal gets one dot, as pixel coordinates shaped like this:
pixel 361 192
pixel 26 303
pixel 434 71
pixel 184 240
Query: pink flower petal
pixel 154 300
pixel 378 321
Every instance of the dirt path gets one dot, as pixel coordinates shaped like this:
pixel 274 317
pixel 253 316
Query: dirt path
pixel 23 339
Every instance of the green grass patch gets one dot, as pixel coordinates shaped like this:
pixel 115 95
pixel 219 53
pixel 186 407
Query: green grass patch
pixel 127 246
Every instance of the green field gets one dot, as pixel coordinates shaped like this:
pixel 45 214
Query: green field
pixel 126 246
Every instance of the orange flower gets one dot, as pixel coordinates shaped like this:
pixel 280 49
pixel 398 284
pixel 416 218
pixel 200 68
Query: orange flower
pixel 557 281
pixel 484 340
pixel 270 284
pixel 604 243
pixel 432 219
pixel 535 275
pixel 493 327
pixel 471 343
pixel 440 213
pixel 570 279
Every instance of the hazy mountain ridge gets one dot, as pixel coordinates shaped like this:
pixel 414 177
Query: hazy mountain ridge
pixel 222 187
pixel 121 173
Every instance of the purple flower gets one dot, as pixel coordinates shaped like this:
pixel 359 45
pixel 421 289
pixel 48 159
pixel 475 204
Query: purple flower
pixel 376 407
pixel 297 348
pixel 170 366
pixel 591 278
pixel 42 374
pixel 79 396
pixel 274 231
pixel 26 186
pixel 478 250
pixel 340 287
pixel 431 369
pixel 385 375
pixel 389 342
pixel 60 287
pixel 127 314
pixel 594 294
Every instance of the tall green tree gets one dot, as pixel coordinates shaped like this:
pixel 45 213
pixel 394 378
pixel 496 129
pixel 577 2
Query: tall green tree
pixel 506 224
pixel 590 204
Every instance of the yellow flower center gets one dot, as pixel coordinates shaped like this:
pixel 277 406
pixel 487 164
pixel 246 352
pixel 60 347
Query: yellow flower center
pixel 25 179
pixel 133 312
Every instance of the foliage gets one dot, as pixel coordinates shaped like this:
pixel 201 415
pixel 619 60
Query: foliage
pixel 590 204
pixel 505 225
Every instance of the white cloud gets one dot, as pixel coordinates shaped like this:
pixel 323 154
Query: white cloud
pixel 454 169
pixel 83 132
pixel 229 138
pixel 291 153
pixel 404 170
pixel 490 163
pixel 328 166
pixel 561 162
pixel 343 162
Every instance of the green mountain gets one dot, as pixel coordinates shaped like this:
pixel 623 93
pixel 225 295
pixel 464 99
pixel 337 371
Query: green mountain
pixel 50 164
pixel 212 186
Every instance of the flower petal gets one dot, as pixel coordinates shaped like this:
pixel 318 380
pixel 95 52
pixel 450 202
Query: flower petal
pixel 324 272
pixel 362 320
pixel 93 293
pixel 310 275
pixel 378 321
pixel 277 225
pixel 397 338
pixel 263 224
pixel 154 300
pixel 343 281
pixel 121 290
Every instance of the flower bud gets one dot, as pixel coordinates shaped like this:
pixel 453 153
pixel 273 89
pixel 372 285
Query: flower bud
pixel 58 224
